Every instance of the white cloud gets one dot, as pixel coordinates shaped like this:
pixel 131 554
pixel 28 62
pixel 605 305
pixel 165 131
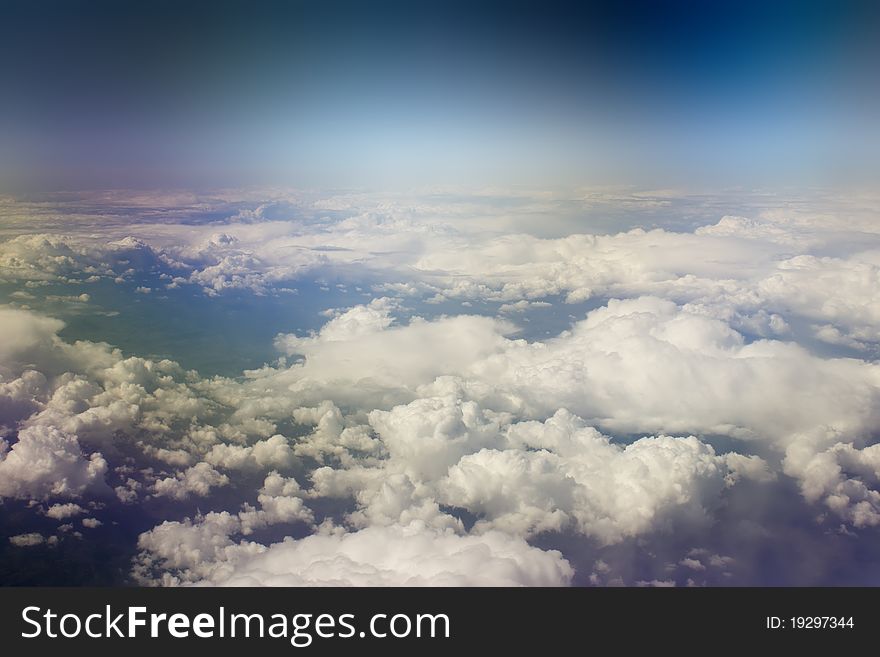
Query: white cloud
pixel 429 435
pixel 75 257
pixel 19 398
pixel 376 556
pixel 710 333
pixel 46 462
pixel 657 583
pixel 569 473
pixel 25 335
pixel 331 436
pixel 640 365
pixel 62 511
pixel 355 351
pixel 281 501
pixel 197 480
pixel 354 323
pixel 274 452
pixel 693 564
pixel 27 540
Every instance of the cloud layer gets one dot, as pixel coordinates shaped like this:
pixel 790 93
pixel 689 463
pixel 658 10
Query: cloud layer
pixel 429 433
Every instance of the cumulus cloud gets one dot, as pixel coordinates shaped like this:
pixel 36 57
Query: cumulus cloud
pixel 192 548
pixel 62 511
pixel 567 472
pixel 19 398
pixel 25 335
pixel 376 556
pixel 27 540
pixel 355 348
pixel 436 415
pixel 197 480
pixel 46 462
pixel 281 501
pixel 49 257
pixel 429 435
pixel 274 452
pixel 643 364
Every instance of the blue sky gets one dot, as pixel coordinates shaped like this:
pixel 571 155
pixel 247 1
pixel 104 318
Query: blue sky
pixel 395 94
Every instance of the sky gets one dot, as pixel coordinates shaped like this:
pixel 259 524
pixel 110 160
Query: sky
pixel 453 294
pixel 404 94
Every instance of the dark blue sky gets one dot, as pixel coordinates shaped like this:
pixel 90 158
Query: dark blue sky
pixel 390 94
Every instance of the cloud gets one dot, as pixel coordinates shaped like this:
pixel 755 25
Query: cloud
pixel 679 371
pixel 567 473
pixel 333 435
pixel 46 257
pixel 643 364
pixel 647 365
pixel 46 462
pixel 429 435
pixel 27 540
pixel 693 564
pixel 356 322
pixel 72 258
pixel 62 511
pixel 376 556
pixel 528 477
pixel 197 480
pixel 274 452
pixel 25 335
pixel 19 398
pixel 353 348
pixel 280 502
pixel 636 365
